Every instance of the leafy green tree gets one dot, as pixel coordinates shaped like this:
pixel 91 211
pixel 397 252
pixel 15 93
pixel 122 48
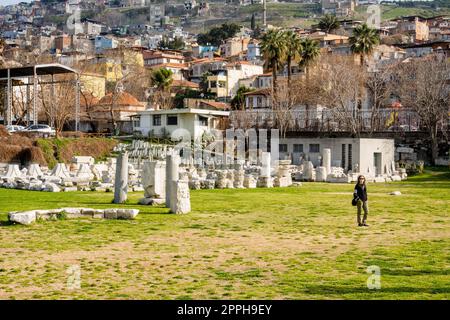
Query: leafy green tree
pixel 162 79
pixel 363 41
pixel 238 101
pixel 176 44
pixel 217 35
pixel 329 23
pixel 204 83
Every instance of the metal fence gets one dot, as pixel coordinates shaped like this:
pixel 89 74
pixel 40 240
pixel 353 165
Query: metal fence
pixel 330 120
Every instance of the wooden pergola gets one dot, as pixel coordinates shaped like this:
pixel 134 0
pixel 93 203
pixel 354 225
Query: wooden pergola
pixel 37 75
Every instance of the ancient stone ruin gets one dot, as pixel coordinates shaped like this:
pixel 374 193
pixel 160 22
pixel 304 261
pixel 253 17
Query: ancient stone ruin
pixel 28 217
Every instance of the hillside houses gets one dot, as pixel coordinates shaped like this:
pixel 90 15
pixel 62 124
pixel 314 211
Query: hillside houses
pixel 114 59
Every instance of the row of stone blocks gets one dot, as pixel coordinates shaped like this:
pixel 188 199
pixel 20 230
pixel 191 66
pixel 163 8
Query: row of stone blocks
pixel 28 217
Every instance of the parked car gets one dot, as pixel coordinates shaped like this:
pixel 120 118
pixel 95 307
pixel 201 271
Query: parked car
pixel 403 127
pixel 42 129
pixel 14 128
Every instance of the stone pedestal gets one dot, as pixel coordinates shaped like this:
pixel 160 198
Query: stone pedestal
pixel 180 201
pixel 121 180
pixel 221 182
pixel 265 182
pixel 265 162
pixel 34 170
pixel 61 171
pixel 239 176
pixel 13 171
pixel 308 173
pixel 84 173
pixel 154 179
pixel 321 174
pixel 326 159
pixel 250 182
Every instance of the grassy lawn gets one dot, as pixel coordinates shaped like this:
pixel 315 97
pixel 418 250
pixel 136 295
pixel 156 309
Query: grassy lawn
pixel 389 12
pixel 281 243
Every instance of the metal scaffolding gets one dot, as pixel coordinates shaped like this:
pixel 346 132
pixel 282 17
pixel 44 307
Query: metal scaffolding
pixel 34 74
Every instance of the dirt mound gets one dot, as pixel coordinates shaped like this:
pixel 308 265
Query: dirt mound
pixel 24 155
pixel 48 152
pixel 94 147
pixel 64 149
pixel 18 148
pixel 3 131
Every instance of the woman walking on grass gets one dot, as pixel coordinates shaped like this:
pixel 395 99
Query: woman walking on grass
pixel 360 194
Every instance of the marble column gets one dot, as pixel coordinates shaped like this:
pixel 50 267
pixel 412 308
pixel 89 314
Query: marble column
pixel 121 181
pixel 172 164
pixel 326 158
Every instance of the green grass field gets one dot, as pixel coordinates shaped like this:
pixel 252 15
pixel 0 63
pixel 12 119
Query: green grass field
pixel 281 243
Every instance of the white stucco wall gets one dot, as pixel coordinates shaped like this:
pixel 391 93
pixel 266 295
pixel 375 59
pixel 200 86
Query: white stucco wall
pixel 362 151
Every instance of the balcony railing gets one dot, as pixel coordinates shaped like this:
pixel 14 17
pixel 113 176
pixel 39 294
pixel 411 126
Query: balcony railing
pixel 386 120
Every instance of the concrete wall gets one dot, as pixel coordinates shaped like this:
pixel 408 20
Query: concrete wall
pixel 187 121
pixel 370 146
pixel 362 151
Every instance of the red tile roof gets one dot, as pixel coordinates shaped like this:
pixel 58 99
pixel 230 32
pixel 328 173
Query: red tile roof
pixel 216 105
pixel 185 84
pixel 123 99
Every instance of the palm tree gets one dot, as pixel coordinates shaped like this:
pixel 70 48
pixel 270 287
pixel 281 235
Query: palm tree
pixel 293 49
pixel 363 40
pixel 273 50
pixel 161 81
pixel 329 23
pixel 310 52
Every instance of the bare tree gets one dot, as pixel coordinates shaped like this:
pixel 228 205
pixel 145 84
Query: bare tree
pixel 21 104
pixel 128 75
pixel 379 87
pixel 59 106
pixel 424 86
pixel 342 91
pixel 286 98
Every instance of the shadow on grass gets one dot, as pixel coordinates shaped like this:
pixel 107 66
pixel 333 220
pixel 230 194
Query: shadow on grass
pixel 413 272
pixel 432 174
pixel 326 290
pixel 6 223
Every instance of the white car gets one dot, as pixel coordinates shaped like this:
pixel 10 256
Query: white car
pixel 43 129
pixel 15 128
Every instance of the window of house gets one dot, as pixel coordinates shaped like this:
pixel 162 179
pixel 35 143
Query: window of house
pixel 343 155
pixel 314 148
pixel 203 121
pixel 259 102
pixel 110 69
pixel 156 120
pixel 172 120
pixel 350 156
pixel 283 147
pixel 298 148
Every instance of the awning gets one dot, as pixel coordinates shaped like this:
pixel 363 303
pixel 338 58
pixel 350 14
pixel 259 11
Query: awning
pixel 41 69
